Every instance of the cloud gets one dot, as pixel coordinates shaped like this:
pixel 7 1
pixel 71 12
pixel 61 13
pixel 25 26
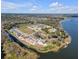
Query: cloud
pixel 11 5
pixel 8 5
pixel 55 4
pixel 35 7
pixel 60 8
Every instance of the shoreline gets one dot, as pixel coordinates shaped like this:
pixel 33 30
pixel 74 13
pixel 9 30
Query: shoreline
pixel 65 31
pixel 52 50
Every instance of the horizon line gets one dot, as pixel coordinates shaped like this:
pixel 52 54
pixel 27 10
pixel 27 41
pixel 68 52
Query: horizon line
pixel 39 13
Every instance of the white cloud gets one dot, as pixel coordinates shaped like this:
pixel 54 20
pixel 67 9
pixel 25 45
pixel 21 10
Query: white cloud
pixel 8 5
pixel 11 5
pixel 60 8
pixel 34 8
pixel 55 4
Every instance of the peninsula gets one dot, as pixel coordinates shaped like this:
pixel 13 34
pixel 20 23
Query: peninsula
pixel 42 33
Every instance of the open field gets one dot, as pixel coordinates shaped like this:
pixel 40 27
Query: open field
pixel 25 29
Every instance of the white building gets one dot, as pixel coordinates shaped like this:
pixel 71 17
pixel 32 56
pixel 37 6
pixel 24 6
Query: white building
pixel 52 30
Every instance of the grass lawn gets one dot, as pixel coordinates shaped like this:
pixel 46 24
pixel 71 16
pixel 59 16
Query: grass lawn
pixel 25 29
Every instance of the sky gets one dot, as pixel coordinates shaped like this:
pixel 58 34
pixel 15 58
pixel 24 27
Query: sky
pixel 39 6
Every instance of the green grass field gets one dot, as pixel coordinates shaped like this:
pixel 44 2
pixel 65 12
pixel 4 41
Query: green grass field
pixel 25 29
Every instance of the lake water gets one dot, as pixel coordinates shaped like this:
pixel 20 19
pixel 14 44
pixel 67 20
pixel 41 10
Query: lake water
pixel 71 52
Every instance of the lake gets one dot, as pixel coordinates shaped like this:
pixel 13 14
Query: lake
pixel 71 52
